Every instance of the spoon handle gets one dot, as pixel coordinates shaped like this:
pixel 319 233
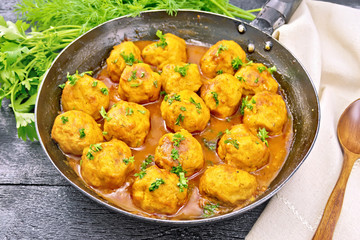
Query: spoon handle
pixel 332 210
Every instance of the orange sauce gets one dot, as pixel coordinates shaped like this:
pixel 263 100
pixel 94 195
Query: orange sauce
pixel 278 145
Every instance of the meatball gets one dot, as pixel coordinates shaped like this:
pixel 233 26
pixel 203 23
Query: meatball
pixel 106 165
pixel 74 130
pixel 126 53
pixel 256 78
pixel 180 148
pixel 129 122
pixel 157 192
pixel 227 184
pixel 138 83
pixel 222 100
pixel 181 76
pixel 185 110
pixel 86 94
pixel 241 149
pixel 219 58
pixel 169 49
pixel 268 111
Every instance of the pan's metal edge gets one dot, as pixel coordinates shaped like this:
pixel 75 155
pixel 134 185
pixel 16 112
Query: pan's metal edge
pixel 177 222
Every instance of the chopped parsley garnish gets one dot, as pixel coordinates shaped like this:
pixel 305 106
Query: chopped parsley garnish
pixel 82 132
pixel 256 80
pixel 74 78
pixel 162 42
pixel 233 142
pixel 148 160
pixel 64 119
pixel 183 181
pixel 179 119
pixel 246 104
pixel 175 97
pixel 209 144
pixel 62 86
pixel 182 70
pixel 90 156
pixel 272 69
pixel 129 111
pixel 127 160
pixel 209 209
pixel 215 96
pixel 133 76
pixel 227 131
pixel 155 83
pixel 177 170
pixel 142 75
pixel 219 134
pixel 175 154
pixel 220 49
pixel 95 147
pixel 182 108
pixel 142 111
pixel 220 72
pixel 115 61
pixel 241 79
pixel 261 69
pixel 104 91
pixel 105 133
pixel 94 83
pixel 263 135
pixel 135 84
pixel 163 93
pixel 104 114
pixel 236 63
pixel 155 185
pixel 177 138
pixel 129 59
pixel 197 105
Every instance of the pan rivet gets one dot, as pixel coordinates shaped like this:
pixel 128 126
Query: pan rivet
pixel 241 28
pixel 251 47
pixel 268 45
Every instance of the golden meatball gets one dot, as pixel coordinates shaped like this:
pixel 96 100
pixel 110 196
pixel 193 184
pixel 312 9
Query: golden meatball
pixel 139 84
pixel 227 184
pixel 241 149
pixel 169 49
pixel 222 95
pixel 219 58
pixel 87 95
pixel 182 149
pixel 129 122
pixel 256 78
pixel 158 192
pixel 74 130
pixel 185 110
pixel 181 76
pixel 269 112
pixel 106 165
pixel 122 55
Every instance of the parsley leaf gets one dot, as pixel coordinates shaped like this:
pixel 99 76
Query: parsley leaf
pixel 62 86
pixel 142 111
pixel 82 132
pixel 209 144
pixel 155 83
pixel 182 70
pixel 127 160
pixel 104 114
pixel 233 142
pixel 177 138
pixel 263 135
pixel 209 209
pixel 261 69
pixel 94 83
pixel 133 76
pixel 162 42
pixel 215 96
pixel 129 59
pixel 155 185
pixel 175 154
pixel 179 119
pixel 148 160
pixel 173 97
pixel 220 72
pixel 246 104
pixel 220 49
pixel 104 91
pixel 64 119
pixel 183 181
pixel 129 111
pixel 272 69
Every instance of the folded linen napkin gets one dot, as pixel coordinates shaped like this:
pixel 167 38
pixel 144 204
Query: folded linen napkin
pixel 325 38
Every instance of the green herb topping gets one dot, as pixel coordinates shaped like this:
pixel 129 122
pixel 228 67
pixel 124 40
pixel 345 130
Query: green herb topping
pixel 93 148
pixel 155 83
pixel 129 111
pixel 256 80
pixel 104 91
pixel 182 108
pixel 233 142
pixel 246 104
pixel 148 160
pixel 236 63
pixel 155 185
pixel 220 72
pixel 174 97
pixel 105 133
pixel 163 93
pixel 142 111
pixel 127 160
pixel 209 144
pixel 175 154
pixel 177 138
pixel 142 75
pixel 261 69
pixel 272 69
pixel 133 76
pixel 62 86
pixel 220 49
pixel 82 132
pixel 104 114
pixel 209 209
pixel 183 181
pixel 64 119
pixel 162 42
pixel 263 135
pixel 129 59
pixel 182 70
pixel 215 96
pixel 179 119
pixel 241 79
pixel 94 83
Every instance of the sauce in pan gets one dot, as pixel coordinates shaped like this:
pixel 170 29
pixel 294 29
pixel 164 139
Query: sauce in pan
pixel 278 145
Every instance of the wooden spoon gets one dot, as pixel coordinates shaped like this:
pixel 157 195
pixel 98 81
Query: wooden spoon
pixel 349 137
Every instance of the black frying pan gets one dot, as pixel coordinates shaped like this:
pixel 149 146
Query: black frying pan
pixel 90 50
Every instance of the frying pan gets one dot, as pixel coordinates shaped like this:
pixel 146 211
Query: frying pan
pixel 90 50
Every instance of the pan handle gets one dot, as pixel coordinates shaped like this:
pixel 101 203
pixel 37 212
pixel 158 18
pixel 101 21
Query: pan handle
pixel 274 14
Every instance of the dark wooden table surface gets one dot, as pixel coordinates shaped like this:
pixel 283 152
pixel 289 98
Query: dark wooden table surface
pixel 36 202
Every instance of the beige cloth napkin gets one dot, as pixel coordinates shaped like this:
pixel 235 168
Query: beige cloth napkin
pixel 325 38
